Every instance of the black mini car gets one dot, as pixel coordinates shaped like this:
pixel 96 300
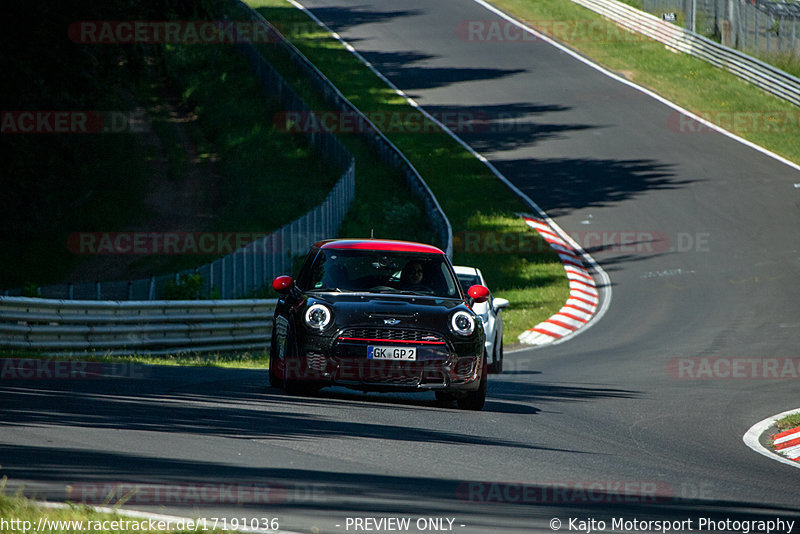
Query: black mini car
pixel 379 315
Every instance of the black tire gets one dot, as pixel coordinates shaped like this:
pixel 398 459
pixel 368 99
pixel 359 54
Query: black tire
pixel 475 400
pixel 274 381
pixel 497 358
pixel 283 382
pixel 444 397
pixel 295 387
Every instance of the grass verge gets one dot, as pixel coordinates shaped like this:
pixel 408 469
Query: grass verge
pixel 712 93
pixel 532 280
pixel 256 359
pixel 21 515
pixel 790 421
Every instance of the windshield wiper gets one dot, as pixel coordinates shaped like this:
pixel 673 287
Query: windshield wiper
pixel 397 291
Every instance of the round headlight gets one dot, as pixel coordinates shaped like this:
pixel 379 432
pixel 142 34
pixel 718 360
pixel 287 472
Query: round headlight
pixel 318 316
pixel 462 323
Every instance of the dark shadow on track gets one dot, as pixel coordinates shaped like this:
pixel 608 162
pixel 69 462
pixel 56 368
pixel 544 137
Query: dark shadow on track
pixel 562 185
pixel 532 392
pixel 236 405
pixel 346 17
pixel 506 126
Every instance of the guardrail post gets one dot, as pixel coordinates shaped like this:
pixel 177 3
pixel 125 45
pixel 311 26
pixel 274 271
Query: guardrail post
pixel 97 290
pixel 152 291
pixel 263 278
pixel 244 271
pixel 224 279
pixel 281 249
pixel 210 278
pixel 755 16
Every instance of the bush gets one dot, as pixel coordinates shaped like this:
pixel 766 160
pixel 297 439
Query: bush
pixel 187 287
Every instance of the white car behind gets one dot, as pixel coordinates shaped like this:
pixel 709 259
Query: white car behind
pixel 489 313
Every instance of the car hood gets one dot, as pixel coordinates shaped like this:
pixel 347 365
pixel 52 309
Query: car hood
pixel 351 309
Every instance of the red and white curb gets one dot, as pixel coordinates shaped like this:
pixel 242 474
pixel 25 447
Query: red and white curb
pixel 583 296
pixel 788 443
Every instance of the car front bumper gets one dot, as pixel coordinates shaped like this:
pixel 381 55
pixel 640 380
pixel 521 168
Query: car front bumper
pixel 441 365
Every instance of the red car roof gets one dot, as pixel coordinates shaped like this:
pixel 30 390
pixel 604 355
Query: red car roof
pixel 378 244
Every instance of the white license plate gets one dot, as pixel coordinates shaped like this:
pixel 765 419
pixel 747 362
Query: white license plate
pixel 391 353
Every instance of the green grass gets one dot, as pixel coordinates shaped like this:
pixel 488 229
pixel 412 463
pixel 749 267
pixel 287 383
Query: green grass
pixel 232 360
pixel 688 81
pixel 19 515
pixel 790 421
pixel 533 282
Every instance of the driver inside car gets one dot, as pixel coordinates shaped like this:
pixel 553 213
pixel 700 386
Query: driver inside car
pixel 412 274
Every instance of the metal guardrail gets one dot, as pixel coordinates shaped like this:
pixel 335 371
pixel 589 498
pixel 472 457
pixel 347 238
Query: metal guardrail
pixel 388 152
pixel 69 327
pixel 748 68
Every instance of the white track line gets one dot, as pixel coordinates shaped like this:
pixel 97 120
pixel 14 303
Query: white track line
pixel 751 438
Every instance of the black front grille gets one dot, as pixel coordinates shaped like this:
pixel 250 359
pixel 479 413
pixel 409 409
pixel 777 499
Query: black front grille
pixel 391 334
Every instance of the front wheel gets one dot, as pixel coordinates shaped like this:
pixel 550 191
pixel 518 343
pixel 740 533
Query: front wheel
pixel 274 381
pixel 475 400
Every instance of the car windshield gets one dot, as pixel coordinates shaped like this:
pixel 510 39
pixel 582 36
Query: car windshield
pixel 351 270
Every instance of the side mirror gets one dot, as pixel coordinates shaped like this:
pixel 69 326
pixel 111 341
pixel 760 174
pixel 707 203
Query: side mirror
pixel 478 293
pixel 283 284
pixel 499 304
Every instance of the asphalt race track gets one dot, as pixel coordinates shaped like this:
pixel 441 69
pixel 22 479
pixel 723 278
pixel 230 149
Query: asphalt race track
pixel 708 274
